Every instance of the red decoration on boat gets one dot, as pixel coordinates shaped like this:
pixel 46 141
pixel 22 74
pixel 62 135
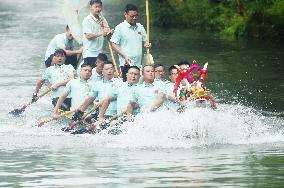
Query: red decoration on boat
pixel 187 73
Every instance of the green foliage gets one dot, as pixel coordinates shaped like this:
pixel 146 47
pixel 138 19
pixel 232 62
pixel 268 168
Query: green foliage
pixel 262 19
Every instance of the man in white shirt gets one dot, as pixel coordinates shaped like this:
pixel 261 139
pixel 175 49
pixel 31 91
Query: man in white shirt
pixel 95 28
pixel 66 42
pixel 128 38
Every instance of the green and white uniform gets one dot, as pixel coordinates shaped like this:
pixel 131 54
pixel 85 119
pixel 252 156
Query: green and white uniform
pixel 145 95
pixel 78 90
pixel 102 89
pixel 122 94
pixel 56 74
pixel 60 41
pixel 90 24
pixel 95 76
pixel 169 88
pixel 130 39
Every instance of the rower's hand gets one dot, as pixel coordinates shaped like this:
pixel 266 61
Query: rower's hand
pixel 127 60
pixel 54 87
pixel 147 44
pixel 56 112
pixel 78 116
pixel 109 34
pixel 105 32
pixel 130 118
pixel 34 97
pixel 101 119
pixel 97 103
pixel 55 115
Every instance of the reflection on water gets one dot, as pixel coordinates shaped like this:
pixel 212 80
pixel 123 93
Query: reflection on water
pixel 202 167
pixel 240 144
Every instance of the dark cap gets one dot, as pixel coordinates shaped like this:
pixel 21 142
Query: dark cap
pixel 59 52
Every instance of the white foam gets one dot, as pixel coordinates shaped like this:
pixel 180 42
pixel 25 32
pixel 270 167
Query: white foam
pixel 197 127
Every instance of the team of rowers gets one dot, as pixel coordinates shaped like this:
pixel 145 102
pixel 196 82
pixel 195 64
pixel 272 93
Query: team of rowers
pixel 99 86
pixel 96 83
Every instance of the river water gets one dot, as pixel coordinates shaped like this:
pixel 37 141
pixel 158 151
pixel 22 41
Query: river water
pixel 239 145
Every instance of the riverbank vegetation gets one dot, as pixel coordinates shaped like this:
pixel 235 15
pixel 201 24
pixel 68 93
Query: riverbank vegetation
pixel 233 19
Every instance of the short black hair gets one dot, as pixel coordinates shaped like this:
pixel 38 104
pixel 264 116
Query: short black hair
pixel 159 65
pixel 130 7
pixel 85 65
pixel 102 57
pixel 59 52
pixel 67 28
pixel 133 67
pixel 108 63
pixel 96 1
pixel 147 66
pixel 183 62
pixel 171 68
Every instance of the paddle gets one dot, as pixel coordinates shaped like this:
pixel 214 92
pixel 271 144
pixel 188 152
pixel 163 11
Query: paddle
pixel 113 60
pixel 18 111
pixel 148 58
pixel 75 123
pixel 90 128
pixel 46 120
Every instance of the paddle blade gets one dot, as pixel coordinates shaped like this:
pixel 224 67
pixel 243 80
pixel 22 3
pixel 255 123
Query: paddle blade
pixel 40 124
pixel 17 112
pixel 148 59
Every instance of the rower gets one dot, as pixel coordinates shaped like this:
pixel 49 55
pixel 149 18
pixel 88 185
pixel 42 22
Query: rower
pixel 160 74
pixel 148 95
pixel 66 42
pixel 58 76
pixel 172 102
pixel 100 90
pixel 97 71
pixel 78 89
pixel 122 92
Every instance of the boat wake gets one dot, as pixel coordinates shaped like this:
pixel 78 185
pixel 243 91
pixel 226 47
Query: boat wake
pixel 196 127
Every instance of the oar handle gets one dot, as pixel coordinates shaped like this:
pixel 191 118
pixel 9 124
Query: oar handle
pixel 44 93
pixel 40 96
pixel 113 59
pixel 89 112
pixel 148 19
pixel 41 123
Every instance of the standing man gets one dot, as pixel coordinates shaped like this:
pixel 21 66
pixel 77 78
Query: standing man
pixel 128 38
pixel 58 75
pixel 95 28
pixel 64 41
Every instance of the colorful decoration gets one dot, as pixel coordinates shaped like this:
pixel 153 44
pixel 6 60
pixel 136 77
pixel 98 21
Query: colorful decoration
pixel 187 73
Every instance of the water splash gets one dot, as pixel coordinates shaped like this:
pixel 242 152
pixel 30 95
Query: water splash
pixel 196 127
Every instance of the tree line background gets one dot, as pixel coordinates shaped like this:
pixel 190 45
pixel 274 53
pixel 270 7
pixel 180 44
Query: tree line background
pixel 232 19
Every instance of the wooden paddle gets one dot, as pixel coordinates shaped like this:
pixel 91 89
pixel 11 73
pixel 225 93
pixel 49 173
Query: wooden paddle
pixel 90 128
pixel 113 60
pixel 75 123
pixel 51 118
pixel 148 58
pixel 18 111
